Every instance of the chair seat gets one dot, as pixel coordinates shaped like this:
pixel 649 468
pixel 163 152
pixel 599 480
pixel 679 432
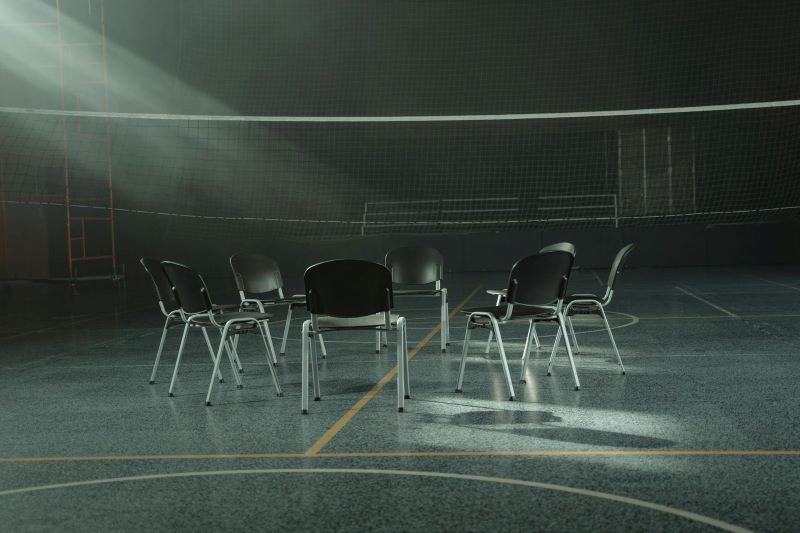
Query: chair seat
pixel 221 318
pixel 580 305
pixel 226 307
pixel 417 292
pixel 297 299
pixel 369 321
pixel 573 297
pixel 528 312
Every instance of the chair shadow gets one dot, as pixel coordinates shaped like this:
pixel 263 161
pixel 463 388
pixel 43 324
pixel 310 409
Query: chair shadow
pixel 485 420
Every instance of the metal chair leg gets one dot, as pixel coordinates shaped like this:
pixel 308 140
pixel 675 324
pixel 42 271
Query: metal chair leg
pixel 464 350
pixel 314 369
pixel 443 320
pixel 553 351
pixel 403 339
pixel 160 349
pixel 211 352
pixel 491 333
pixel 263 329
pixel 402 366
pixel 526 352
pixel 230 349
pixel 489 342
pixel 222 344
pixel 563 325
pixel 572 332
pixel 536 337
pixel 271 346
pixel 304 367
pixel 611 336
pixel 178 360
pixel 286 329
pixel 322 345
pixel 503 359
pixel 236 354
pixel 446 315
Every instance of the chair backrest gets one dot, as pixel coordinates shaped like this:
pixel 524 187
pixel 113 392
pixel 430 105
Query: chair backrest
pixel 160 281
pixel 189 289
pixel 540 279
pixel 255 273
pixel 559 247
pixel 618 264
pixel 348 288
pixel 415 265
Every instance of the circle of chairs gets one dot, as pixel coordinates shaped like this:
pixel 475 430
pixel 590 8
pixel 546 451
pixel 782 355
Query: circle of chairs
pixel 358 295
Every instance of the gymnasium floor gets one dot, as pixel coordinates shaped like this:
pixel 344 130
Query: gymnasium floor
pixel 702 432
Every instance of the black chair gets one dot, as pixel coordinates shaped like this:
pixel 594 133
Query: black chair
pixel 168 307
pixel 419 265
pixel 256 277
pixel 351 294
pixel 559 247
pixel 588 304
pixel 500 293
pixel 194 302
pixel 536 289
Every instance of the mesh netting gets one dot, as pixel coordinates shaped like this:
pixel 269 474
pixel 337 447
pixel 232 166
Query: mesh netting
pixel 322 179
pixel 275 134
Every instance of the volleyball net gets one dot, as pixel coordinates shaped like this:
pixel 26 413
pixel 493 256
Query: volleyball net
pixel 324 177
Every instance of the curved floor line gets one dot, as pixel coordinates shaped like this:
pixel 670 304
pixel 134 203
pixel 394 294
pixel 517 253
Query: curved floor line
pixel 454 453
pixel 467 477
pixel 634 320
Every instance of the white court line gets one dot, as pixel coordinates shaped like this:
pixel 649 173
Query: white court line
pixel 64 324
pixel 776 283
pixel 415 473
pixel 727 355
pixel 717 317
pixel 715 306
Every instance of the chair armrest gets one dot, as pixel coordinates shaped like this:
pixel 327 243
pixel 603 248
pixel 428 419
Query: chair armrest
pixel 250 301
pixel 225 307
pixel 496 292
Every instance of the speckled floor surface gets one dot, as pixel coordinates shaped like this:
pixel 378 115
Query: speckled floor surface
pixel 702 432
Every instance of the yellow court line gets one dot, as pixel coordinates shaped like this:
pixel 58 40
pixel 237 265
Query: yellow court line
pixel 559 453
pixel 163 457
pixel 367 455
pixel 359 405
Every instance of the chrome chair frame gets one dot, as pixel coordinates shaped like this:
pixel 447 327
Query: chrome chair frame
pixel 202 314
pixel 514 310
pixel 244 285
pixel 501 293
pixel 593 304
pixel 173 318
pixel 398 261
pixel 325 318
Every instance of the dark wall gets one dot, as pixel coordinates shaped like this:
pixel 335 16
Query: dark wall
pixel 689 245
pixel 361 57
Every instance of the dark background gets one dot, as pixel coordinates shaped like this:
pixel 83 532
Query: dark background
pixel 366 58
pixel 464 57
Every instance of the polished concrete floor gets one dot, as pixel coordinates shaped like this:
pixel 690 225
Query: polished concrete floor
pixel 701 433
